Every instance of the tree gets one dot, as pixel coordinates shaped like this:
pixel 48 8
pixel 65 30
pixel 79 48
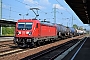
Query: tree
pixel 81 28
pixel 75 26
pixel 8 31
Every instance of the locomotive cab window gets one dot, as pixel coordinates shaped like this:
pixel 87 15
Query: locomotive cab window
pixel 24 26
pixel 21 26
pixel 28 26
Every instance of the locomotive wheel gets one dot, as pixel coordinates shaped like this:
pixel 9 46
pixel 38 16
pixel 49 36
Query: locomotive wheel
pixel 43 42
pixel 51 40
pixel 38 43
pixel 23 44
pixel 33 44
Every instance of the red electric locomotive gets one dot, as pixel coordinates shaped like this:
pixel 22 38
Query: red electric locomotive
pixel 31 31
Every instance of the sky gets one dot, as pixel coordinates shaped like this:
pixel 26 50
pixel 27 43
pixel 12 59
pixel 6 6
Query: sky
pixel 64 14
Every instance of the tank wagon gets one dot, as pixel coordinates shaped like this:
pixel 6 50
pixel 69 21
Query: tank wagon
pixel 31 31
pixel 68 32
pixel 62 31
pixel 80 32
pixel 72 31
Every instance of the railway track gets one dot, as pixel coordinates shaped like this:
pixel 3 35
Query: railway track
pixel 53 52
pixel 6 42
pixel 21 53
pixel 11 51
pixel 6 46
pixel 8 49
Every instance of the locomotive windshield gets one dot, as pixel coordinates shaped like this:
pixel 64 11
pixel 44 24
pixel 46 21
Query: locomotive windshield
pixel 25 26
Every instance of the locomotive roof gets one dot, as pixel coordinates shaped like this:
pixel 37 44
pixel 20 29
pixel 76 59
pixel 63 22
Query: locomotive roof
pixel 61 25
pixel 27 20
pixel 37 21
pixel 47 23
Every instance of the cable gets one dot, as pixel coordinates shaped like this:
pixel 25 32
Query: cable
pixel 64 8
pixel 23 3
pixel 29 5
pixel 9 5
pixel 11 10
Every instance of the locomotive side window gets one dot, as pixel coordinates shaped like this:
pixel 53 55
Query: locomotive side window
pixel 37 25
pixel 24 26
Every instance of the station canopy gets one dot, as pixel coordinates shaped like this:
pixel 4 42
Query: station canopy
pixel 81 8
pixel 4 22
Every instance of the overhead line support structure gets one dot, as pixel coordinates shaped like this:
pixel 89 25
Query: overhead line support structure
pixel 0 17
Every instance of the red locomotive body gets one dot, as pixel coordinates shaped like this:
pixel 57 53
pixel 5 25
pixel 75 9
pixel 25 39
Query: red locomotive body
pixel 31 31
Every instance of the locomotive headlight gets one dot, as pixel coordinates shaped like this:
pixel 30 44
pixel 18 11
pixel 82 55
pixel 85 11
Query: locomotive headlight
pixel 27 32
pixel 19 32
pixel 30 33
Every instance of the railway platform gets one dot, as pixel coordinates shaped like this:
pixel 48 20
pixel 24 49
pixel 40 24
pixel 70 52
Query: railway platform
pixel 81 52
pixel 6 38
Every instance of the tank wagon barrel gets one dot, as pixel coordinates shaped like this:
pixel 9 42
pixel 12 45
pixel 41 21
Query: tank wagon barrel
pixel 62 31
pixel 72 31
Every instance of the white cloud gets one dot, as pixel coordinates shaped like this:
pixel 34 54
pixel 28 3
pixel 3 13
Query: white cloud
pixel 40 7
pixel 41 4
pixel 4 6
pixel 44 2
pixel 30 1
pixel 57 6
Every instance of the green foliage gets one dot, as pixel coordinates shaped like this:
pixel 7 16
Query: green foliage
pixel 8 31
pixel 75 26
pixel 80 28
